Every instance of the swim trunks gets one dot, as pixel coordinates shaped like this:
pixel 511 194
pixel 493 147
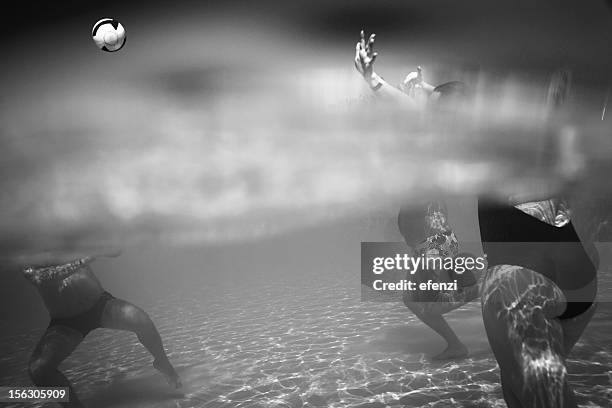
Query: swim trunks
pixel 510 236
pixel 86 321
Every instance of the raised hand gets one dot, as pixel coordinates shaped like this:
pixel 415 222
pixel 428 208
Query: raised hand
pixel 365 55
pixel 413 81
pixel 364 63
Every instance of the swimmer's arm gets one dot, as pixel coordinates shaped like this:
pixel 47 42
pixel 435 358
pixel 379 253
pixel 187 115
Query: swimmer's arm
pixel 364 63
pixel 388 92
pixel 414 82
pixel 385 90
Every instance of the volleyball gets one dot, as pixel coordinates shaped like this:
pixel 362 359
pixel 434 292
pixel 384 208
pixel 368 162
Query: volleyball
pixel 109 35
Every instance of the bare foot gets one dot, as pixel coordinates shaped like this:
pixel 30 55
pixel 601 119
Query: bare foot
pixel 168 371
pixel 455 351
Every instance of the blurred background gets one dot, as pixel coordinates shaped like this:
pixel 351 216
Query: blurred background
pixel 226 121
pixel 231 144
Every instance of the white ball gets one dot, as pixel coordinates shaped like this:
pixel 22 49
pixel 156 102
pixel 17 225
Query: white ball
pixel 108 34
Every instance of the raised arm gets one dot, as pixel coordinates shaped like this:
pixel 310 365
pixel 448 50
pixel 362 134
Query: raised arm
pixel 412 87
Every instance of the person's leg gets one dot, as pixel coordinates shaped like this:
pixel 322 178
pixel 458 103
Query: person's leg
pixel 55 346
pixel 512 400
pixel 574 327
pixel 121 315
pixel 519 311
pixel 429 314
pixel 413 223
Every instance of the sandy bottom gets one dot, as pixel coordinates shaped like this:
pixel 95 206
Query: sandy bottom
pixel 304 343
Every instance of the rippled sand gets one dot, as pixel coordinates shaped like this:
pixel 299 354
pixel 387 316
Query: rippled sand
pixel 300 343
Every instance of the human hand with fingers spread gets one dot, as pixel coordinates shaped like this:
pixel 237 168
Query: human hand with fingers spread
pixel 365 55
pixel 412 85
pixel 413 79
pixel 364 60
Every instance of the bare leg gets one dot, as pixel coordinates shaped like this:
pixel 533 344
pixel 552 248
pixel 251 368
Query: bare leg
pixel 431 313
pixel 55 346
pixel 519 310
pixel 512 400
pixel 574 327
pixel 427 314
pixel 121 315
pixel 413 224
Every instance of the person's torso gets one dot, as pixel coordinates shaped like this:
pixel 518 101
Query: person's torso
pixel 72 295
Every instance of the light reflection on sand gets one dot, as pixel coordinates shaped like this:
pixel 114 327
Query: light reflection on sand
pixel 304 343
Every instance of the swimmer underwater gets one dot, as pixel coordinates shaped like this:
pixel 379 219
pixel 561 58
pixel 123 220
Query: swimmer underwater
pixel 538 293
pixel 78 304
pixel 428 231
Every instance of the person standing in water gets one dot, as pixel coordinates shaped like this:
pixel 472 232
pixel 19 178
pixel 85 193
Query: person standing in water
pixel 538 293
pixel 77 304
pixel 428 232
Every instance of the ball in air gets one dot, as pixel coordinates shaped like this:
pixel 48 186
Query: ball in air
pixel 108 34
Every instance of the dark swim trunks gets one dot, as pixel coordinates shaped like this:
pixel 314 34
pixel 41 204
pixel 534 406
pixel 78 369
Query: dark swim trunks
pixel 86 321
pixel 512 237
